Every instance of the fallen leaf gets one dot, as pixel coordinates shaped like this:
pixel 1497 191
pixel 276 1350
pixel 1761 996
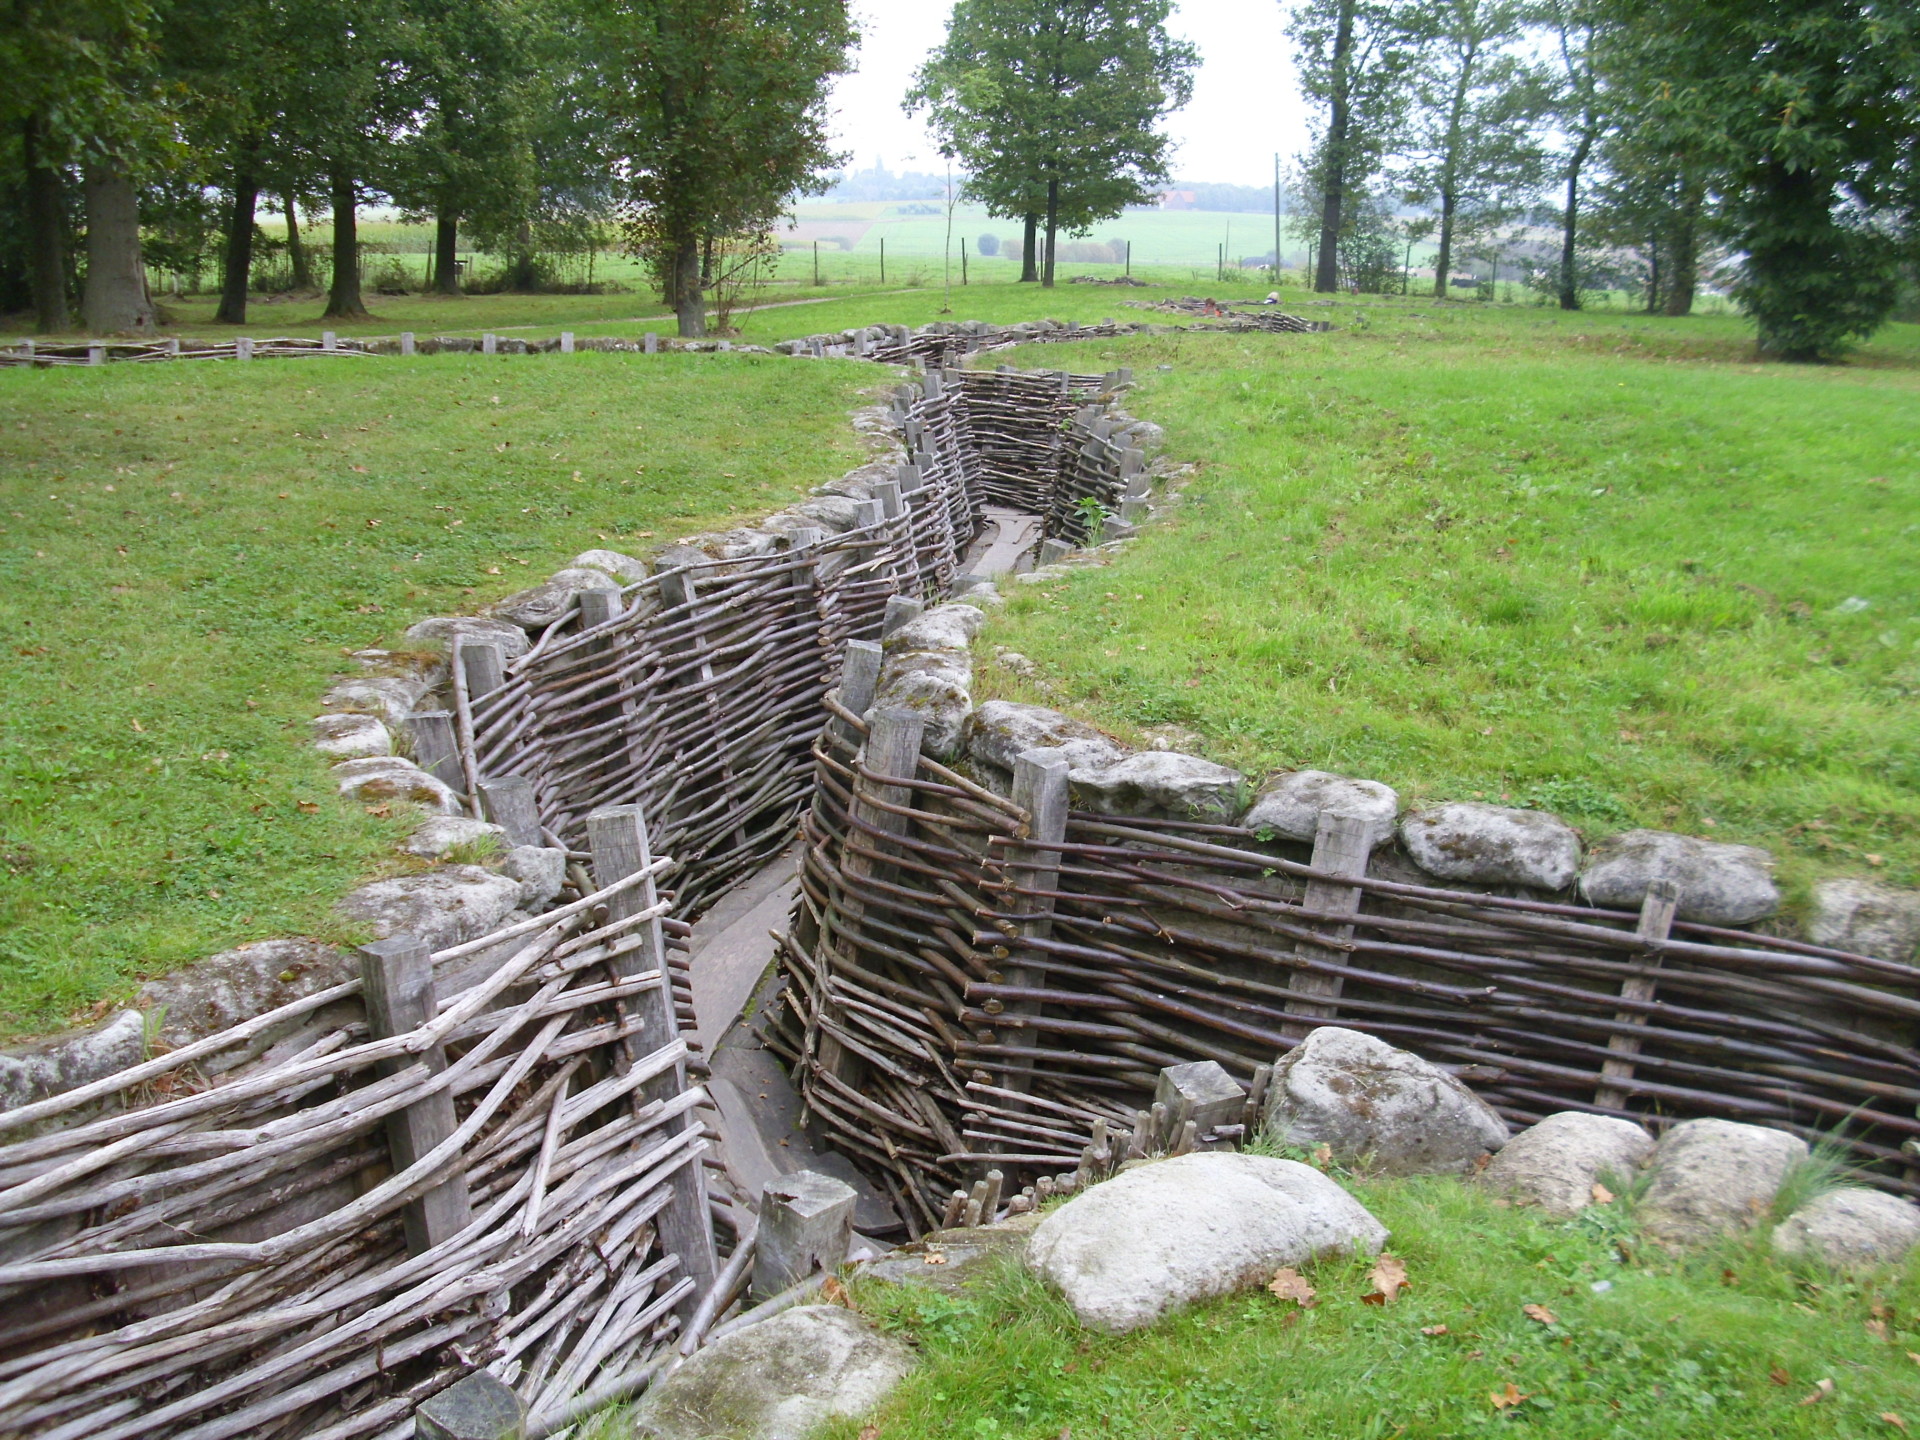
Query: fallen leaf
pixel 1779 1376
pixel 1506 1399
pixel 833 1292
pixel 1322 1156
pixel 1433 1329
pixel 1288 1284
pixel 1821 1390
pixel 1389 1278
pixel 1878 1330
pixel 934 1257
pixel 1895 1421
pixel 869 1432
pixel 1914 1356
pixel 1601 1195
pixel 307 807
pixel 1540 1313
pixel 1475 1354
pixel 139 728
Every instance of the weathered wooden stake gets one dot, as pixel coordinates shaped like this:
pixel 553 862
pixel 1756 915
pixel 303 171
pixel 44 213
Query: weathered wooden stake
pixel 617 836
pixel 1040 789
pixel 509 803
pixel 1339 848
pixel 1203 1094
pixel 480 1407
pixel 806 1224
pixel 396 977
pixel 901 609
pixel 434 748
pixel 1656 919
pixel 406 342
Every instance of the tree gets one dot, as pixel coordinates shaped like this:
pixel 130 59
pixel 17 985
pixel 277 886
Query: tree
pixel 78 92
pixel 1804 120
pixel 1472 150
pixel 1053 107
pixel 1355 56
pixel 1581 109
pixel 716 112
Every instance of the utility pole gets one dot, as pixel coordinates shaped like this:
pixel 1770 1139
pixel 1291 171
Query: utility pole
pixel 816 264
pixel 883 259
pixel 1276 217
pixel 963 260
pixel 1129 245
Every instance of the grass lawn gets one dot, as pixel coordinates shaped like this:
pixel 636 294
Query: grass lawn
pixel 186 550
pixel 1603 565
pixel 1597 562
pixel 1630 1344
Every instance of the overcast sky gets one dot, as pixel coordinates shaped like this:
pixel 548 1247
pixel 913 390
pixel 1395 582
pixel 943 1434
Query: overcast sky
pixel 1245 103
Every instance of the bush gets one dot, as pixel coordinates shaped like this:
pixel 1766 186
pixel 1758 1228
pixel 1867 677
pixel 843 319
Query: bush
pixel 988 245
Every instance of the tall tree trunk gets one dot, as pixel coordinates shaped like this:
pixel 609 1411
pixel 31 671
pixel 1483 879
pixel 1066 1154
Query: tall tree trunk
pixel 1449 170
pixel 1443 262
pixel 297 249
pixel 1326 277
pixel 115 300
pixel 446 254
pixel 1653 273
pixel 1030 262
pixel 239 265
pixel 1570 227
pixel 1053 230
pixel 344 301
pixel 46 234
pixel 706 263
pixel 1683 261
pixel 689 302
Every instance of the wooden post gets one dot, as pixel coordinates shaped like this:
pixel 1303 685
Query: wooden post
pixel 1339 848
pixel 1055 550
pixel 243 348
pixel 329 340
pixel 396 977
pixel 483 663
pixel 434 748
pixel 617 836
pixel 509 803
pixel 1040 789
pixel 652 343
pixel 1202 1093
pixel 96 354
pixel 1656 919
pixel 489 345
pixel 806 1224
pixel 480 1407
pixel 892 749
pixel 406 342
pixel 566 342
pixel 859 679
pixel 901 610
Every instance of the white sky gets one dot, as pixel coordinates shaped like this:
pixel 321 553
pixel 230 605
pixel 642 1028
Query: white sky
pixel 1245 102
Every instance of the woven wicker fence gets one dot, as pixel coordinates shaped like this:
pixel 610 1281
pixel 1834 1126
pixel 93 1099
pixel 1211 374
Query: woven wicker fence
pixel 977 979
pixel 307 1224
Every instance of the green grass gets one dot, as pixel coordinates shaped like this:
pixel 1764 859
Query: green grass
pixel 1606 566
pixel 186 550
pixel 1722 1344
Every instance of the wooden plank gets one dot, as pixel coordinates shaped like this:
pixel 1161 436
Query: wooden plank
pixel 1656 920
pixel 1340 848
pixel 396 977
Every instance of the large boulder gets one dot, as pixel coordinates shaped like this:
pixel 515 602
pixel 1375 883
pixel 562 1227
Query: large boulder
pixel 390 697
pixel 1163 783
pixel 1555 1164
pixel 1000 731
pixel 928 669
pixel 442 833
pixel 624 568
pixel 1867 918
pixel 1492 845
pixel 1719 884
pixel 540 606
pixel 1714 1176
pixel 1163 1235
pixel 382 778
pixel 448 906
pixel 1291 805
pixel 1378 1106
pixel 1851 1229
pixel 443 629
pixel 779 1380
pixel 211 995
pixel 351 737
pixel 51 1067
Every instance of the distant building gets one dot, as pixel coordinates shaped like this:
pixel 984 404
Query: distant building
pixel 1177 199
